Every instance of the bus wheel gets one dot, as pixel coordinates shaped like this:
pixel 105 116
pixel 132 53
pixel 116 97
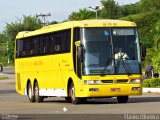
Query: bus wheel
pixel 83 100
pixel 36 93
pixel 30 93
pixel 68 99
pixel 74 100
pixel 122 99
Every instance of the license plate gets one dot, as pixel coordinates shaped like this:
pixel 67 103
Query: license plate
pixel 115 90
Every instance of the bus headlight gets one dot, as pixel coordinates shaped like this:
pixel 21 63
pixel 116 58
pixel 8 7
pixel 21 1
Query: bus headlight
pixel 136 81
pixel 91 82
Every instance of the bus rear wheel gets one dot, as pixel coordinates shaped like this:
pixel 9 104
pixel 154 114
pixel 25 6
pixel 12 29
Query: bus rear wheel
pixel 122 99
pixel 36 93
pixel 31 96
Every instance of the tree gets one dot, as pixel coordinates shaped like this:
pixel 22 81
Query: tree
pixel 31 23
pixel 81 15
pixel 53 22
pixel 130 9
pixel 153 54
pixel 3 48
pixel 149 5
pixel 157 37
pixel 110 9
pixel 28 23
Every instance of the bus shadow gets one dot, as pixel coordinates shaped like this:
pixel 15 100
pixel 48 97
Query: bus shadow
pixel 144 99
pixel 131 100
pixel 111 100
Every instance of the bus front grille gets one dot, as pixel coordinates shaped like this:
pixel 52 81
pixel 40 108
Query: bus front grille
pixel 107 81
pixel 115 81
pixel 122 81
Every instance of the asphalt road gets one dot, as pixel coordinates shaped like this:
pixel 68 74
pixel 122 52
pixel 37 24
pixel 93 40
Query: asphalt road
pixel 15 104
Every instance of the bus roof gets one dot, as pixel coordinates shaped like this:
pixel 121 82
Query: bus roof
pixel 70 24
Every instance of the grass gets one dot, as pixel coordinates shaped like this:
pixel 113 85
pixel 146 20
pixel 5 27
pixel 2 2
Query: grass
pixel 3 78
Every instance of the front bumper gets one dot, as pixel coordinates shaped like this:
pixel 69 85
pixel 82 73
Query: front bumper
pixel 112 90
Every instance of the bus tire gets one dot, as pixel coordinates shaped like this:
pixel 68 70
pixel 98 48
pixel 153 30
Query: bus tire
pixel 31 96
pixel 83 100
pixel 68 99
pixel 38 98
pixel 122 99
pixel 74 99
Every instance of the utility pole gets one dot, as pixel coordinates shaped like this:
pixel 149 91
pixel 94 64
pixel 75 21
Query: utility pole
pixel 43 17
pixel 95 8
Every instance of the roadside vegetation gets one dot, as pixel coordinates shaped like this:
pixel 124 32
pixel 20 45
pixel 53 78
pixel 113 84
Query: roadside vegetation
pixel 153 83
pixel 145 14
pixel 3 78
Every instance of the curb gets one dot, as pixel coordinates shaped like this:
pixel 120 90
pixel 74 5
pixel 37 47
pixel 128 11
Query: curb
pixel 151 90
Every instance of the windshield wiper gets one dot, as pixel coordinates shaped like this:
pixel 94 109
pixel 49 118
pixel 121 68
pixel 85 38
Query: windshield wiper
pixel 105 66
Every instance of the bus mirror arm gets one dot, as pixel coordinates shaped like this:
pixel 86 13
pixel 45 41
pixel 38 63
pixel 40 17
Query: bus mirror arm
pixel 143 52
pixel 78 43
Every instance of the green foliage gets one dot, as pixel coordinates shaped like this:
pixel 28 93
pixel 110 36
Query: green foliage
pixel 28 23
pixel 145 14
pixel 156 61
pixel 53 22
pixel 130 9
pixel 31 23
pixel 3 47
pixel 157 36
pixel 150 36
pixel 146 23
pixel 110 9
pixel 149 5
pixel 3 78
pixel 155 82
pixel 81 15
pixel 146 83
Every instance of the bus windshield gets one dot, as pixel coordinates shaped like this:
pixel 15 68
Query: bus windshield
pixel 101 46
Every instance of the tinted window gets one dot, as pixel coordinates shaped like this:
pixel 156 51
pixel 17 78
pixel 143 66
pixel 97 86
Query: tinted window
pixel 52 43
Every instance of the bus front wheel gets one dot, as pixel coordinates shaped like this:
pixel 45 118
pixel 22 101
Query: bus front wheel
pixel 122 99
pixel 36 93
pixel 74 99
pixel 30 93
pixel 68 99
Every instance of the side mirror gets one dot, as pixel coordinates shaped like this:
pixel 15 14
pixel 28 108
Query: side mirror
pixel 78 43
pixel 143 52
pixel 80 50
pixel 80 53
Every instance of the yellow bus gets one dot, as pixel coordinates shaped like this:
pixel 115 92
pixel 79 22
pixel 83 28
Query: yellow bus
pixel 76 60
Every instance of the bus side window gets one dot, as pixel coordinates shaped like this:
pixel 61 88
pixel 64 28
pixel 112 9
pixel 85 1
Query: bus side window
pixel 43 45
pixel 57 44
pixel 36 46
pixel 19 48
pixel 52 44
pixel 44 50
pixel 23 54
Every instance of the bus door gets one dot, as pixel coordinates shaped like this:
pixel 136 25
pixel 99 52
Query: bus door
pixel 79 59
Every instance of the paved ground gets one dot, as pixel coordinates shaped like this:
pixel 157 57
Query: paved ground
pixel 13 103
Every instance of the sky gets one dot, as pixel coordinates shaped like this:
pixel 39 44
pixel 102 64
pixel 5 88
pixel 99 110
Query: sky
pixel 13 10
